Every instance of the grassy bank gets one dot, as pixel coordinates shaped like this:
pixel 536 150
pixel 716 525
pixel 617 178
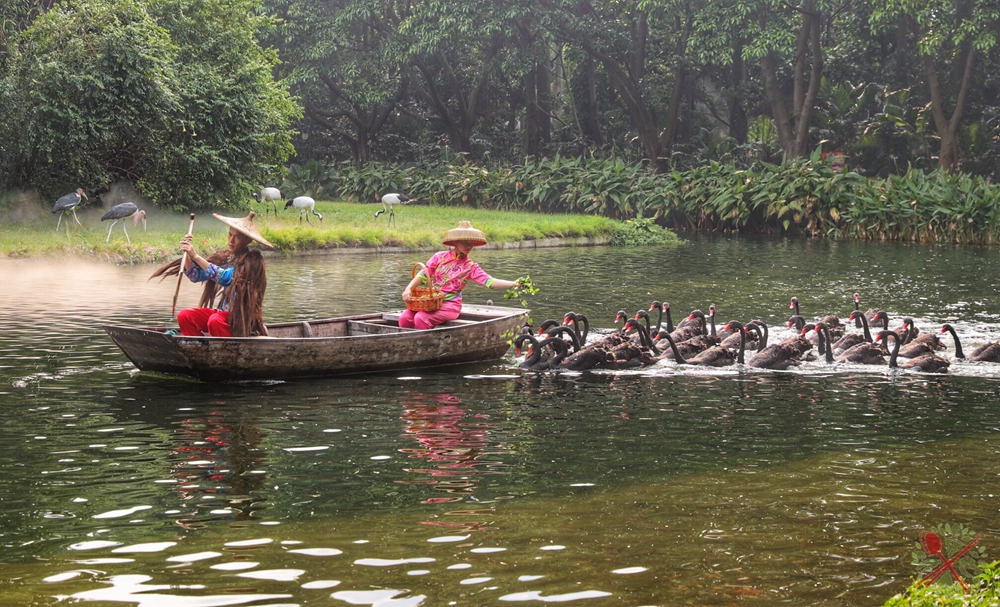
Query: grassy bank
pixel 343 225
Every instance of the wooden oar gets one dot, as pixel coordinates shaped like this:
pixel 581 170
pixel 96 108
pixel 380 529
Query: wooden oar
pixel 180 271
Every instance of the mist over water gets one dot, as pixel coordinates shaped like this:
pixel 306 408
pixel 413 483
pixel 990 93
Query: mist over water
pixel 487 484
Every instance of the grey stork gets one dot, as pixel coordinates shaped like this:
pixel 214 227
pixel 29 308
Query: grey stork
pixel 269 195
pixel 121 211
pixel 390 200
pixel 69 202
pixel 305 205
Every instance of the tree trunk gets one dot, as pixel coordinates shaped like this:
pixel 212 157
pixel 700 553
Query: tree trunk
pixel 793 126
pixel 592 122
pixel 947 128
pixel 804 118
pixel 532 136
pixel 737 113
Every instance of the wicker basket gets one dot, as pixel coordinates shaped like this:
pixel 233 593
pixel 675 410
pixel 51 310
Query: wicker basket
pixel 425 299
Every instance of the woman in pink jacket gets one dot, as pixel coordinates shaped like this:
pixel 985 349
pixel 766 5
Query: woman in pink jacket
pixel 452 269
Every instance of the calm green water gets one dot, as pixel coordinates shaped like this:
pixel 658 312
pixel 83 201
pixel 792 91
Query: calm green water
pixel 485 484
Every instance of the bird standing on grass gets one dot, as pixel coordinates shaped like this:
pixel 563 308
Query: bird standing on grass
pixel 69 202
pixel 121 211
pixel 305 205
pixel 388 201
pixel 269 195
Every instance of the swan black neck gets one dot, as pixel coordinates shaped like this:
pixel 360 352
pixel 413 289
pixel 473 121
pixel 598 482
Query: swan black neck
pixel 886 334
pixel 738 326
pixel 958 344
pixel 564 329
pixel 857 308
pixel 824 334
pixel 858 316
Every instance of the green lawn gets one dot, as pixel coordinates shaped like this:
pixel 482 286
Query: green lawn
pixel 344 225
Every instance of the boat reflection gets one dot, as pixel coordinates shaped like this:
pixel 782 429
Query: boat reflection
pixel 454 448
pixel 218 465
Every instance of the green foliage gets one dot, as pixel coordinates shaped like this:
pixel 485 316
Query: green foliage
pixel 523 287
pixel 642 232
pixel 984 590
pixel 174 96
pixel 800 197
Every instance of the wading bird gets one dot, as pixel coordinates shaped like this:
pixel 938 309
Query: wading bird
pixel 305 205
pixel 388 201
pixel 69 202
pixel 121 211
pixel 269 195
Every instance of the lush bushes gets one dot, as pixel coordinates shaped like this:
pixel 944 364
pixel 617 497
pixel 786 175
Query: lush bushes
pixel 804 196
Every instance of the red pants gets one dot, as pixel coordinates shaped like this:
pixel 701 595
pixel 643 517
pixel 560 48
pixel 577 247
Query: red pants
pixel 198 321
pixel 449 310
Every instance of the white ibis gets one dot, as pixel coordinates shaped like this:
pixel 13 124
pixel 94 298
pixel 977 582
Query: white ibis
pixel 69 202
pixel 388 201
pixel 305 205
pixel 269 195
pixel 121 211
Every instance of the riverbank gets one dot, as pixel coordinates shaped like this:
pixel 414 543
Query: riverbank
pixel 345 227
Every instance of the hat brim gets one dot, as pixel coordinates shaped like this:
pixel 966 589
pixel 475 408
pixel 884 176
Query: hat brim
pixel 476 242
pixel 245 227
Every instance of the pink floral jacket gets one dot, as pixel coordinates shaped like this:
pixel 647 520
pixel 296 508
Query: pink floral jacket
pixel 452 270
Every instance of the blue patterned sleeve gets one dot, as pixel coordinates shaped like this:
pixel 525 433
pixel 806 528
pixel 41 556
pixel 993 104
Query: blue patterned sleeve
pixel 223 276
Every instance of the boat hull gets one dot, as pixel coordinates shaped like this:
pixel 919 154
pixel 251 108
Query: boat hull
pixel 351 345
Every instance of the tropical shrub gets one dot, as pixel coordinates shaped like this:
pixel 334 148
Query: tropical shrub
pixel 174 96
pixel 800 197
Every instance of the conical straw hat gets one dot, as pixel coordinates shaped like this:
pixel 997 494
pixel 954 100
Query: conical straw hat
pixel 245 226
pixel 464 233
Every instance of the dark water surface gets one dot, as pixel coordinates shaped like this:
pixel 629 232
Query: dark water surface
pixel 486 484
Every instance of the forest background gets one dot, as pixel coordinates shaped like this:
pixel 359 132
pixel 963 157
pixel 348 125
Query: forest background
pixel 876 119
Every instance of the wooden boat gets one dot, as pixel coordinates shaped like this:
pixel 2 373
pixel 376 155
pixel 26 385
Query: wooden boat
pixel 348 345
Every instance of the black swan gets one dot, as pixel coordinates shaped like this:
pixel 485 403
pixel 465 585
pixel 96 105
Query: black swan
pixel 928 363
pixel 664 309
pixel 796 323
pixel 777 356
pixel 864 353
pixel 985 353
pixel 533 360
pixel 751 336
pixel 575 320
pixel 852 339
pixel 629 355
pixel 659 315
pixel 588 358
pixel 921 337
pixel 830 320
pixel 763 338
pixel 693 326
pixel 718 356
pixel 824 331
pixel 546 325
pixel 902 332
pixel 566 330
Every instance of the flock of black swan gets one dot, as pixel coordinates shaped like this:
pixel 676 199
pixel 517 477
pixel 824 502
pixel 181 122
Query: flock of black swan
pixel 638 342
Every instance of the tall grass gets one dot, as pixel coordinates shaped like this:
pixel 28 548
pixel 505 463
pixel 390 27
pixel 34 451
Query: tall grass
pixel 344 225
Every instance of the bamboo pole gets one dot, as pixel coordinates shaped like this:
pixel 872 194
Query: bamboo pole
pixel 180 271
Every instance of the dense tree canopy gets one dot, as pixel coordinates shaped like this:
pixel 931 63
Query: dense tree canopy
pixel 190 100
pixel 175 96
pixel 893 83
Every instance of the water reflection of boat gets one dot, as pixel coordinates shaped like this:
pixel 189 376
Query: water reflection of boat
pixel 364 343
